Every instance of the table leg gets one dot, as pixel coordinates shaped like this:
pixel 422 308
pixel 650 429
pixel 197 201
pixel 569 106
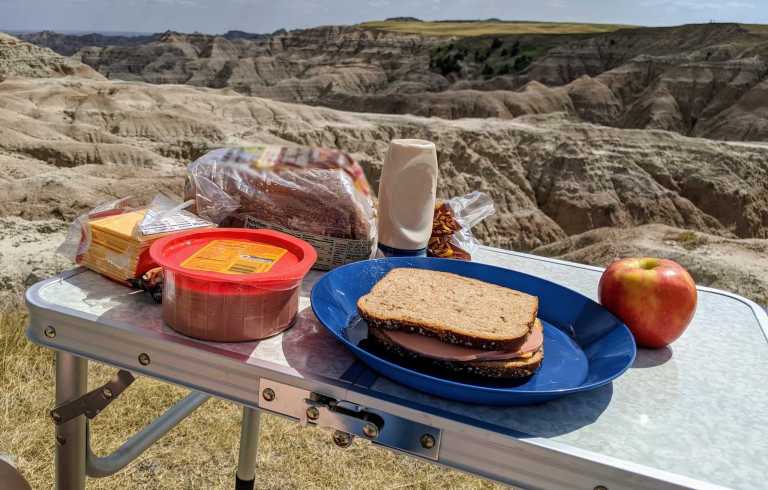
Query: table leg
pixel 71 383
pixel 249 445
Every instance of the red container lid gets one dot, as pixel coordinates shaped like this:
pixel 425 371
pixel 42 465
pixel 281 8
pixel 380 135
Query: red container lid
pixel 236 255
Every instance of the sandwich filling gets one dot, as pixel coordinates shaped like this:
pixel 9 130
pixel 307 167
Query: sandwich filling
pixel 436 349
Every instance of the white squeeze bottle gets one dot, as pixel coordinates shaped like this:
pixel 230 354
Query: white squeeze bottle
pixel 407 197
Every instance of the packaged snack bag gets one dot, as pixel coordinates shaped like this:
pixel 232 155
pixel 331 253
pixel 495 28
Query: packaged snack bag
pixel 452 225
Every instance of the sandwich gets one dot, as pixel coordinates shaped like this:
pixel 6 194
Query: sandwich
pixel 455 325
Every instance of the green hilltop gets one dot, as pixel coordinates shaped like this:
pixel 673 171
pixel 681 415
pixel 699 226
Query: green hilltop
pixel 490 27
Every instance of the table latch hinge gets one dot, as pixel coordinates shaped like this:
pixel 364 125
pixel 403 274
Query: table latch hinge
pixel 350 420
pixel 93 402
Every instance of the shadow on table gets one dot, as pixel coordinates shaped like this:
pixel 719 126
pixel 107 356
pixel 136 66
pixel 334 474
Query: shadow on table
pixel 312 351
pixel 111 301
pixel 98 288
pixel 563 415
pixel 647 358
pixel 548 419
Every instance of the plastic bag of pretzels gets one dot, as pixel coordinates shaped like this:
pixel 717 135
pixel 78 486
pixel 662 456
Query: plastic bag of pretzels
pixel 452 224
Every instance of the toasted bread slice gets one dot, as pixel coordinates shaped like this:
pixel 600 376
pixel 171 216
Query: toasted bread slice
pixel 456 309
pixel 513 369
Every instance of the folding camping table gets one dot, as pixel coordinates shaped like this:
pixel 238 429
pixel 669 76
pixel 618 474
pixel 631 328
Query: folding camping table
pixel 692 416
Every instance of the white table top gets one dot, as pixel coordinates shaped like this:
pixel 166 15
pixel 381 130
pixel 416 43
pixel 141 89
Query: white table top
pixel 692 414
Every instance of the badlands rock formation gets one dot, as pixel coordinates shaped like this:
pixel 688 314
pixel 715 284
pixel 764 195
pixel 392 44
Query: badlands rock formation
pixel 69 44
pixel 718 99
pixel 69 143
pixel 22 59
pixel 594 55
pixel 705 80
pixel 299 66
pixel 723 263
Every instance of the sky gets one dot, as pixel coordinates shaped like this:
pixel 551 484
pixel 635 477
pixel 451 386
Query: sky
pixel 262 16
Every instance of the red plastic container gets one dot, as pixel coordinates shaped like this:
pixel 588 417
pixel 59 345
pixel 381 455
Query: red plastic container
pixel 230 285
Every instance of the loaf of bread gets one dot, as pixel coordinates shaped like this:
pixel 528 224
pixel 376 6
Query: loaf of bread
pixel 317 194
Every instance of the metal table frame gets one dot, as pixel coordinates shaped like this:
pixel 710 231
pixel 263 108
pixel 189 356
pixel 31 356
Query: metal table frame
pixel 75 459
pixel 480 451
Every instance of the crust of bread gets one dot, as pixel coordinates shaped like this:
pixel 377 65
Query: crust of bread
pixel 518 369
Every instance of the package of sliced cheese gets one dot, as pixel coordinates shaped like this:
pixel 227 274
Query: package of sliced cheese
pixel 114 238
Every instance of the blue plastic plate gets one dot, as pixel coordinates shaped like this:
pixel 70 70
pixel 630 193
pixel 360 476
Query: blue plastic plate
pixel 585 346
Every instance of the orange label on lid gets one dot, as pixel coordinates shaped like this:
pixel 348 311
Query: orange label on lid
pixel 234 257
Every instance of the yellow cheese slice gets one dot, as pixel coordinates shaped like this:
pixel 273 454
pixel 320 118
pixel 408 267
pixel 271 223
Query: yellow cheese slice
pixel 121 225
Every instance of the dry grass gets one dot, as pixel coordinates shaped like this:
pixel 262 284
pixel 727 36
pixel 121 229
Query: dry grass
pixel 199 453
pixel 484 28
pixel 756 28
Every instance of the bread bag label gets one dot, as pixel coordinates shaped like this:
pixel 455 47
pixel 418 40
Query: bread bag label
pixel 234 257
pixel 271 157
pixel 331 252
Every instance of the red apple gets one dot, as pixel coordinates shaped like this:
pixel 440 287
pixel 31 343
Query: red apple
pixel 655 298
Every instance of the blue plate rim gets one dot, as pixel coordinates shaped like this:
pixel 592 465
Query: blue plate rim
pixel 455 384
